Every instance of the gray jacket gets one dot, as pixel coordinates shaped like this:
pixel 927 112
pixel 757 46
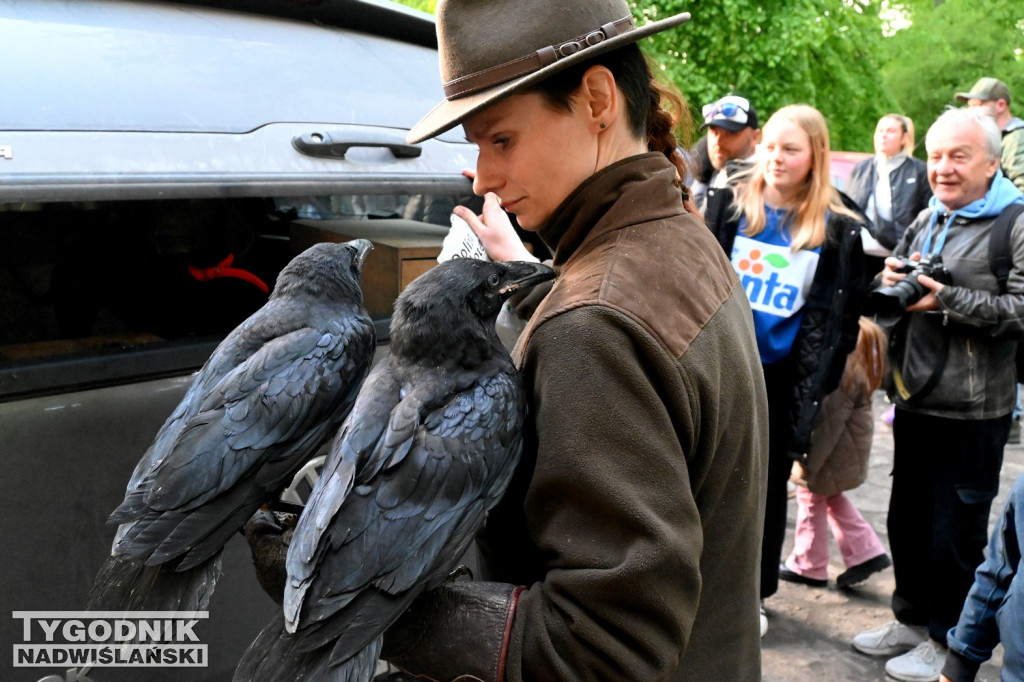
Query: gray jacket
pixel 981 325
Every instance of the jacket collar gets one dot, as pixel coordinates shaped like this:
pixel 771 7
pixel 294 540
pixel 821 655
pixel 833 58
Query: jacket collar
pixel 621 194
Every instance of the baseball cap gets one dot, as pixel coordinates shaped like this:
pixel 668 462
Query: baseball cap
pixel 732 112
pixel 987 90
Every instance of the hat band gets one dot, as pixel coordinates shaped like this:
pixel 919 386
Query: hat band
pixel 481 80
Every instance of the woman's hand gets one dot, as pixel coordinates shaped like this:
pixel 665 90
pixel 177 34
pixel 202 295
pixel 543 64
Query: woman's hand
pixel 495 229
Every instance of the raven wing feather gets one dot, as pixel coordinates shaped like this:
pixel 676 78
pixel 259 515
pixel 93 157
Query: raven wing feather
pixel 298 380
pixel 248 412
pixel 403 529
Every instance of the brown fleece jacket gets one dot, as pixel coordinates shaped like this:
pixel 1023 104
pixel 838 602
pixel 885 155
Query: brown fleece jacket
pixel 840 442
pixel 635 518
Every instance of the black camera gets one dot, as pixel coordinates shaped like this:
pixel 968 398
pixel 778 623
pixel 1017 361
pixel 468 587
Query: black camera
pixel 908 291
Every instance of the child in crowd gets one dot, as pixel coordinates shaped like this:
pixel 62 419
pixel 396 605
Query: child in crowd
pixel 838 461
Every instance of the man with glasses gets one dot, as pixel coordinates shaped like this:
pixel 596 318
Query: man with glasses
pixel 733 135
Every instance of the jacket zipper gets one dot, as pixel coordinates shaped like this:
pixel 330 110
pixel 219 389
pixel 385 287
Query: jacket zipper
pixel 970 364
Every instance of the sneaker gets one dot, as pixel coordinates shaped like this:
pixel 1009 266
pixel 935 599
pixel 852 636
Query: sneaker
pixel 791 576
pixel 862 571
pixel 923 663
pixel 764 620
pixel 892 638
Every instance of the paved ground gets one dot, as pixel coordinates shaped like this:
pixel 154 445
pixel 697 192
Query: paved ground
pixel 810 629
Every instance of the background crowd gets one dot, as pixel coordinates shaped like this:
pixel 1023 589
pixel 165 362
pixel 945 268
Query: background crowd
pixel 915 247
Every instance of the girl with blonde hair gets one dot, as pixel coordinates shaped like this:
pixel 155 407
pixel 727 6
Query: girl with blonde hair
pixel 808 195
pixel 794 241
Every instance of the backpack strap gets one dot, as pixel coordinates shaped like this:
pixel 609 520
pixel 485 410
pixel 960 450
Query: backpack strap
pixel 1000 258
pixel 1000 253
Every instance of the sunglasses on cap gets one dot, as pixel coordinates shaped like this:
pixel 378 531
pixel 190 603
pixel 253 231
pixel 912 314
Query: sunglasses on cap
pixel 729 108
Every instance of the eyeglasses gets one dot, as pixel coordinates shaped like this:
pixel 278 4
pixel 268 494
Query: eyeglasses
pixel 729 108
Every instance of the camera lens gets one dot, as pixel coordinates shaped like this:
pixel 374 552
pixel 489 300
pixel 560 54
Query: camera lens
pixel 895 299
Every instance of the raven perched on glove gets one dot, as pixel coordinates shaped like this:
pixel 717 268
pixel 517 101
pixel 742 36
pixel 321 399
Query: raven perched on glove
pixel 273 391
pixel 428 449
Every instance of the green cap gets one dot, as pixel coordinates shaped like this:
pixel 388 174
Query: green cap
pixel 987 90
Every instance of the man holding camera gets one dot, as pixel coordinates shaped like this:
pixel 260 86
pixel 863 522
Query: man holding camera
pixel 952 355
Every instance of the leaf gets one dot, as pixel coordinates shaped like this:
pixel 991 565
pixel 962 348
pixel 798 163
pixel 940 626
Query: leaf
pixel 776 261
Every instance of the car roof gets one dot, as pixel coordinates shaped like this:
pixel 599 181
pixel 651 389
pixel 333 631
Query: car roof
pixel 137 99
pixel 97 66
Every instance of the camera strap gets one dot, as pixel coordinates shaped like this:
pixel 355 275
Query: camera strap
pixel 896 346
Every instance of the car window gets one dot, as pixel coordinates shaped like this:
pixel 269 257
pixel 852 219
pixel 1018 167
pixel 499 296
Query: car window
pixel 98 292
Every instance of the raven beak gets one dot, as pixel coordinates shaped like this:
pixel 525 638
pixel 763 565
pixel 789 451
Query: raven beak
pixel 363 248
pixel 523 275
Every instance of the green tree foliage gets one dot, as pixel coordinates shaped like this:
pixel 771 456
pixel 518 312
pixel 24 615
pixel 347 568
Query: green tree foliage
pixel 817 52
pixel 947 48
pixel 422 5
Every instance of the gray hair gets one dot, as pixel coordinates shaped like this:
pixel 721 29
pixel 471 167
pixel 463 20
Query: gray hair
pixel 957 118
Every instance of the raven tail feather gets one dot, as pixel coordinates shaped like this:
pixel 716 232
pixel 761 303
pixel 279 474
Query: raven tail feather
pixel 125 583
pixel 277 655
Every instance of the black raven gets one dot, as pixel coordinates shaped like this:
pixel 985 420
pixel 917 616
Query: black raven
pixel 428 449
pixel 273 391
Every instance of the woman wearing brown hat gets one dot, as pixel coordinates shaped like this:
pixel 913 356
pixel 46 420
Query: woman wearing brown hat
pixel 627 546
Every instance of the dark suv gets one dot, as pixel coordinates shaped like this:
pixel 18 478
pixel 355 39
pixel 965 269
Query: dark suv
pixel 159 164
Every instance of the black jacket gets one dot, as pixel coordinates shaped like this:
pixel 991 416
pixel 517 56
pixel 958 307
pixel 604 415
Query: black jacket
pixel 828 331
pixel 910 194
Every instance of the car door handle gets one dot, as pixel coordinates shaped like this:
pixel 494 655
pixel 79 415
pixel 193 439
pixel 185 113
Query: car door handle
pixel 335 145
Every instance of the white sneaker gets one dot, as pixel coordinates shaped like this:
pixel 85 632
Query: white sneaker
pixel 892 638
pixel 923 663
pixel 764 620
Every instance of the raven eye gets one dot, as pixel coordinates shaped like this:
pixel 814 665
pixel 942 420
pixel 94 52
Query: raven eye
pixel 493 280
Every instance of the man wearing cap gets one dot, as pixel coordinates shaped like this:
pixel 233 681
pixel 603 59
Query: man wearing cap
pixel 993 95
pixel 733 135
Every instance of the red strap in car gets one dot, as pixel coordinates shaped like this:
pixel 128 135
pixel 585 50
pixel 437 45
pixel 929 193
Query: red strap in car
pixel 224 269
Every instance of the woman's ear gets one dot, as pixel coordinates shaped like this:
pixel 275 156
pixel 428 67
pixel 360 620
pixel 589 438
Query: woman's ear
pixel 599 97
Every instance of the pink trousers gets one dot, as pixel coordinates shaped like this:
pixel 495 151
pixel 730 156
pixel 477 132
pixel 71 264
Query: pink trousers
pixel 857 540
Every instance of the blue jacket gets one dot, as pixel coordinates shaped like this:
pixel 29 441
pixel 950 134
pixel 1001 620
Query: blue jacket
pixel 994 610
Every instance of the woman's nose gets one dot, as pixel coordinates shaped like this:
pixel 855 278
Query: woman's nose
pixel 483 181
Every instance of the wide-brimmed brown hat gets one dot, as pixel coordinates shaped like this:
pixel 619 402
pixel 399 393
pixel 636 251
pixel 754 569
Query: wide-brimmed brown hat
pixel 489 49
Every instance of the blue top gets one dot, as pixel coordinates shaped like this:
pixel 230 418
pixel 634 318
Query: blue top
pixel 777 281
pixel 994 611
